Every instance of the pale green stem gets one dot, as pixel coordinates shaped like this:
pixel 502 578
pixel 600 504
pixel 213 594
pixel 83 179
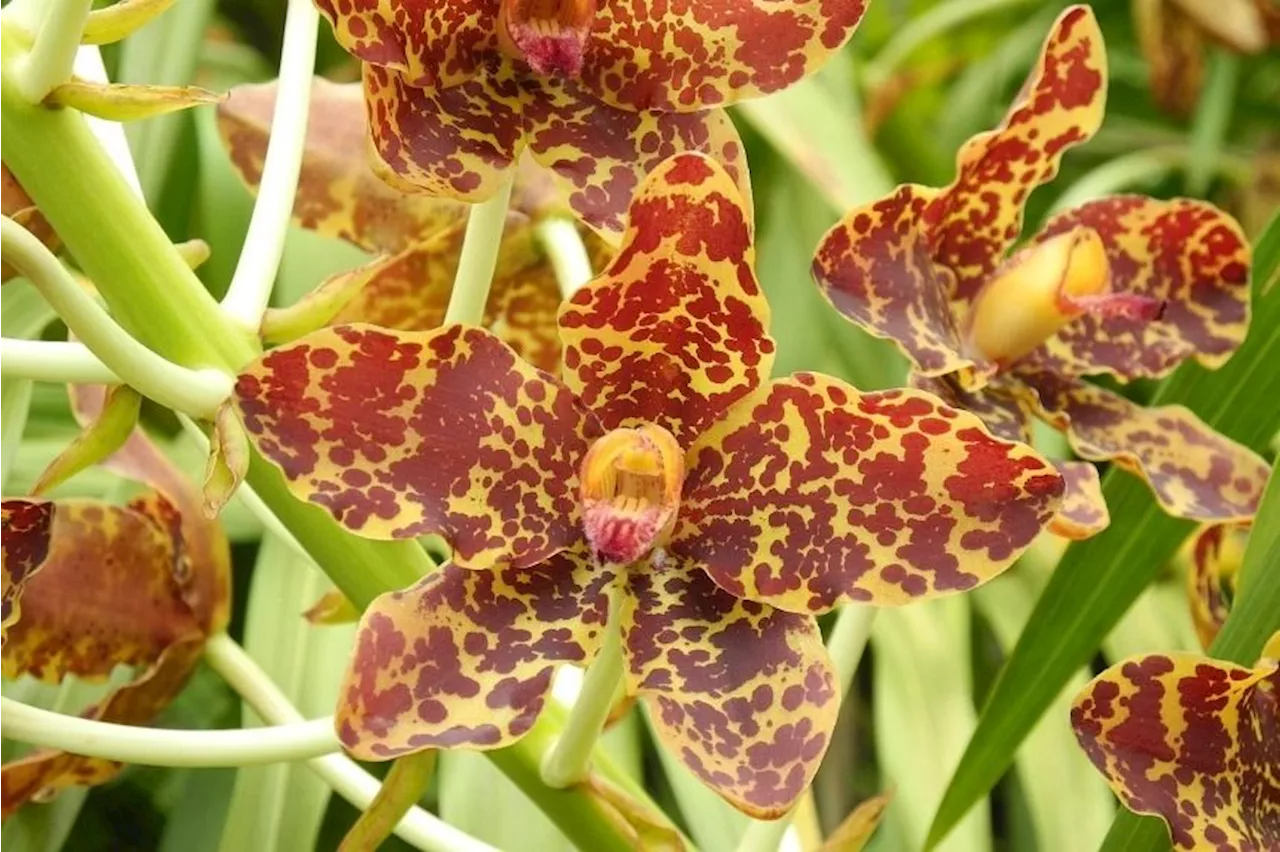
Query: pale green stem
pixel 403 785
pixel 920 28
pixel 250 289
pixel 846 643
pixel 196 392
pixel 569 759
pixel 54 51
pixel 62 361
pixel 298 740
pixel 563 244
pixel 479 258
pixel 247 678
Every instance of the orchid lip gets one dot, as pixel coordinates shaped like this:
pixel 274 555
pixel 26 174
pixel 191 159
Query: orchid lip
pixel 549 35
pixel 631 481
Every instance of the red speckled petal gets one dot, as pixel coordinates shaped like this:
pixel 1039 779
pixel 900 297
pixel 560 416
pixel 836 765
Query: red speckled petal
pixel 742 693
pixel 433 42
pixel 1194 472
pixel 465 657
pixel 979 215
pixel 601 154
pixel 398 434
pixel 459 143
pixel 686 56
pixel 28 526
pixel 809 492
pixel 874 267
pixel 1213 555
pixel 1188 254
pixel 1193 741
pixel 1084 512
pixel 1000 405
pixel 674 330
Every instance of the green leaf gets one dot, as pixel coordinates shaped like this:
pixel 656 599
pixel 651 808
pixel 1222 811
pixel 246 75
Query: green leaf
pixel 1099 579
pixel 1253 619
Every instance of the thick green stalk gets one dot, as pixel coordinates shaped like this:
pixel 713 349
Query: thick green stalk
pixel 401 789
pixel 49 62
pixel 479 258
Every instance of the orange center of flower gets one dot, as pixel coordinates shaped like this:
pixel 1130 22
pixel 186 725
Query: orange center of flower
pixel 1035 293
pixel 631 480
pixel 550 35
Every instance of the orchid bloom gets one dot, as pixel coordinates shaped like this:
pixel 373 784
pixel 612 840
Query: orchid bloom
pixel 1126 285
pixel 598 91
pixel 90 585
pixel 663 476
pixel 416 238
pixel 1193 741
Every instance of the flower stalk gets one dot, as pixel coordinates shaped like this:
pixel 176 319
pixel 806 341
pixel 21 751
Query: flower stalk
pixel 564 247
pixel 479 258
pixel 54 50
pixel 61 361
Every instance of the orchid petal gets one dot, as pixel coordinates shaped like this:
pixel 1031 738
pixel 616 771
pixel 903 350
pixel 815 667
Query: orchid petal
pixel 398 434
pixel 1000 405
pixel 1194 472
pixel 28 528
pixel 809 492
pixel 1191 740
pixel 874 267
pixel 1083 513
pixel 744 694
pixel 975 219
pixel 465 657
pixel 1186 254
pixel 1214 554
pixel 673 332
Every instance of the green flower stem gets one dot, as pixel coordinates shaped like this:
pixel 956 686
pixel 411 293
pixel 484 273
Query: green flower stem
pixel 196 392
pixel 62 361
pixel 923 27
pixel 846 643
pixel 250 289
pixel 563 244
pixel 479 257
pixel 296 740
pixel 351 782
pixel 569 759
pixel 54 51
pixel 401 789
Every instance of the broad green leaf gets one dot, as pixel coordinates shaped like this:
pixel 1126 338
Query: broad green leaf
pixel 1099 579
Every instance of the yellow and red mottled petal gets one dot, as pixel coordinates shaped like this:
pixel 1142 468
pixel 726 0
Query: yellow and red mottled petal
pixel 43 773
pixel 461 142
pixel 205 569
pixel 465 657
pixel 684 57
pixel 674 331
pixel 874 267
pixel 1083 513
pixel 399 434
pixel 27 532
pixel 106 594
pixel 1191 740
pixel 434 43
pixel 601 153
pixel 809 492
pixel 1194 472
pixel 1213 555
pixel 744 694
pixel 1186 254
pixel 1000 405
pixel 974 220
pixel 410 291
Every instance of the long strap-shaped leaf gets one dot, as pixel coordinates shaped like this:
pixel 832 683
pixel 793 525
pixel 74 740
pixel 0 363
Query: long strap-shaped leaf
pixel 1099 579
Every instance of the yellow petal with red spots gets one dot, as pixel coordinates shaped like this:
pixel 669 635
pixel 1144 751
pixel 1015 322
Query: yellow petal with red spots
pixel 1083 513
pixel 1188 256
pixel 809 492
pixel 436 43
pixel 107 594
pixel 975 219
pixel 1195 472
pixel 399 434
pixel 1213 556
pixel 1191 740
pixel 410 291
pixel 1000 404
pixel 674 331
pixel 744 694
pixel 465 657
pixel 874 267
pixel 690 56
pixel 28 526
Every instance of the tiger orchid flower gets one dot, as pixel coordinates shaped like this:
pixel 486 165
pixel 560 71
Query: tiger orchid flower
pixel 1126 286
pixel 598 91
pixel 663 485
pixel 1191 740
